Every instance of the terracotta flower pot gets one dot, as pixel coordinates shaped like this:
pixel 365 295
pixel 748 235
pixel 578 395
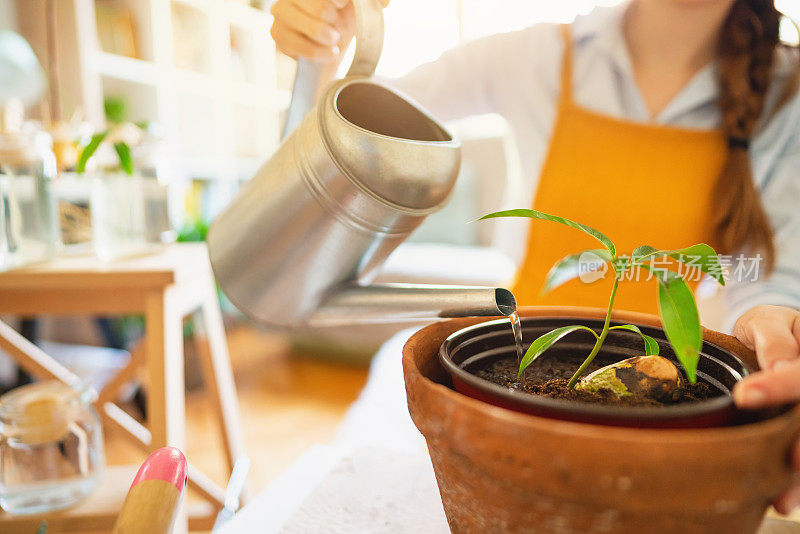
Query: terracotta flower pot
pixel 503 471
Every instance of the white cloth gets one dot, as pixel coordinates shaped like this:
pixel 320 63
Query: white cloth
pixel 373 490
pixel 517 75
pixel 380 418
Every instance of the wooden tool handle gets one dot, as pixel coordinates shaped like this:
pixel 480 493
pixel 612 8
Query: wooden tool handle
pixel 153 501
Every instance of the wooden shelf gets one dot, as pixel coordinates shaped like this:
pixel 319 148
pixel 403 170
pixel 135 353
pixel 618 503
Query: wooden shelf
pixel 225 61
pixel 207 167
pixel 99 510
pixel 200 5
pixel 127 68
pixel 248 94
pixel 102 506
pixel 248 17
pixel 196 83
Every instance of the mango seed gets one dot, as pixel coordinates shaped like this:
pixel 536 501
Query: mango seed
pixel 651 377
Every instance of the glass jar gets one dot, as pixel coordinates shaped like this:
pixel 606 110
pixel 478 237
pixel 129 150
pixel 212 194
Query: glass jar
pixel 51 448
pixel 118 215
pixel 29 225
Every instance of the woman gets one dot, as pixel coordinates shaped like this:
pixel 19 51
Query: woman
pixel 670 121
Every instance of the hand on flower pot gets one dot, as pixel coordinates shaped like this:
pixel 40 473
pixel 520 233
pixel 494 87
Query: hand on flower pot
pixel 774 333
pixel 313 29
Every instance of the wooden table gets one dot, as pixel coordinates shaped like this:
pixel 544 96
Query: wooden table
pixel 164 287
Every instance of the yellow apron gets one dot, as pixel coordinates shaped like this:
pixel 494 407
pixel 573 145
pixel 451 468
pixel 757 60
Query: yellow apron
pixel 640 184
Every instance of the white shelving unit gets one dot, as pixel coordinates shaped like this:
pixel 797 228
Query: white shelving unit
pixel 205 71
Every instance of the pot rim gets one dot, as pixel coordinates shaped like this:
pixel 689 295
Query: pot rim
pixel 420 387
pixel 716 404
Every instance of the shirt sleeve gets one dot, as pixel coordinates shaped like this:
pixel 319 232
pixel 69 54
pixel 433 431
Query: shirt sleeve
pixel 779 168
pixel 479 76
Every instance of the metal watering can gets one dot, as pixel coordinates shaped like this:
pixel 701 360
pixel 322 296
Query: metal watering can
pixel 303 238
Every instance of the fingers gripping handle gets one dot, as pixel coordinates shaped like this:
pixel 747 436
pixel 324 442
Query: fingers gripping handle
pixel 369 43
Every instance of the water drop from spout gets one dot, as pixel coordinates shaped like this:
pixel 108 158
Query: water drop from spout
pixel 516 328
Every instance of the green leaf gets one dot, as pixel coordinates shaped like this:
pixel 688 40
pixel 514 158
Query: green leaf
pixel 125 160
pixel 569 267
pixel 545 341
pixel 533 214
pixel 700 256
pixel 644 252
pixel 680 319
pixel 650 344
pixel 42 528
pixel 194 232
pixel 89 150
pixel 703 257
pixel 116 109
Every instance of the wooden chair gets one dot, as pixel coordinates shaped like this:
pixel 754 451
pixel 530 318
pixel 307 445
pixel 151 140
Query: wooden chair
pixel 164 287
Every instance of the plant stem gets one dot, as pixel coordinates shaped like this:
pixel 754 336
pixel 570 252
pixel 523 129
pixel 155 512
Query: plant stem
pixel 600 339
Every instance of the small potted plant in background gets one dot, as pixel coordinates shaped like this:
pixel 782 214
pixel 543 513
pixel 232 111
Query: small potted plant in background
pixel 121 210
pixel 627 422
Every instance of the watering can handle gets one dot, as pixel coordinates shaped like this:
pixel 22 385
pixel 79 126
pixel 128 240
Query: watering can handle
pixel 369 37
pixel 369 43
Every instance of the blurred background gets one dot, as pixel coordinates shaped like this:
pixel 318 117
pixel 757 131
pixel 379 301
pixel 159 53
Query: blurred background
pixel 206 73
pixel 205 76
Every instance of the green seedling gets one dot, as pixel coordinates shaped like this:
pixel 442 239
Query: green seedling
pixel 121 135
pixel 676 304
pixel 122 149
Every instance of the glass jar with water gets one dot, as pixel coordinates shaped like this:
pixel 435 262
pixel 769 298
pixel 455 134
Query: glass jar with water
pixel 29 226
pixel 51 448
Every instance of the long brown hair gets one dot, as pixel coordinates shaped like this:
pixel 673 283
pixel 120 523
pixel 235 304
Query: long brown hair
pixel 747 49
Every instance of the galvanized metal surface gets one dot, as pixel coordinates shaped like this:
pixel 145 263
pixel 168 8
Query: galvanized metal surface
pixel 405 302
pixel 351 182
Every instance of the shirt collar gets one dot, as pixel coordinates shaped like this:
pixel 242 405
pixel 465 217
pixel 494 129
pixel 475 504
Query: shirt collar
pixel 600 18
pixel 603 29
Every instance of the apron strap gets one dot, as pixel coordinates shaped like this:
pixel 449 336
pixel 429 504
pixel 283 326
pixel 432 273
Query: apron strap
pixel 566 65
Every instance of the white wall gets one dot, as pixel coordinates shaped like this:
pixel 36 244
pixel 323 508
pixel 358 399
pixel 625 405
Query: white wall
pixel 8 15
pixel 420 30
pixel 413 38
pixel 790 8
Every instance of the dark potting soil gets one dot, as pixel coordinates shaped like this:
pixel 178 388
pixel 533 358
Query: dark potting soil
pixel 548 377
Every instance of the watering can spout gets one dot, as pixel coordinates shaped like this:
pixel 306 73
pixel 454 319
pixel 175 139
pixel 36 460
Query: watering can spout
pixel 406 302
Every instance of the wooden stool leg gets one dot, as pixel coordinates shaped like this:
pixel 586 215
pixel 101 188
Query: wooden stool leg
pixel 33 359
pixel 166 403
pixel 111 391
pixel 218 376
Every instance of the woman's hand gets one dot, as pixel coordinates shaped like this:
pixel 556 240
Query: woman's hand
pixel 774 333
pixel 313 29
